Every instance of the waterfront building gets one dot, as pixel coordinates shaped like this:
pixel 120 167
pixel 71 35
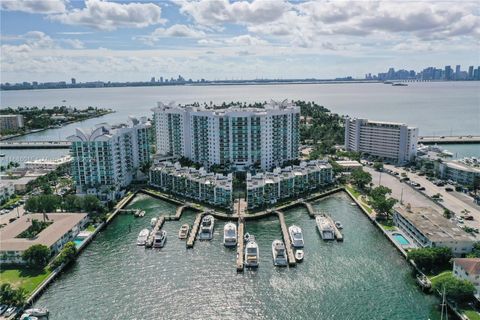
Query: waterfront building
pixel 237 137
pixel 7 189
pixel 465 171
pixel 428 228
pixel 11 122
pixel 64 227
pixel 47 164
pixel 196 184
pixel 349 165
pixel 393 142
pixel 468 269
pixel 292 181
pixel 107 159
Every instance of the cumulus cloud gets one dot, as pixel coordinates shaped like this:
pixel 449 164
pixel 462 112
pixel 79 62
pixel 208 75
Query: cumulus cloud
pixel 74 43
pixel 246 40
pixel 207 12
pixel 175 31
pixel 34 6
pixel 105 15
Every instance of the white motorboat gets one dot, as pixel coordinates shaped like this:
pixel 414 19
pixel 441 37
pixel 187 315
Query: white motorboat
pixel 299 254
pixel 183 232
pixel 252 254
pixel 142 237
pixel 246 237
pixel 159 239
pixel 339 225
pixel 230 235
pixel 206 228
pixel 27 316
pixel 279 254
pixel 153 222
pixel 296 236
pixel 38 312
pixel 325 228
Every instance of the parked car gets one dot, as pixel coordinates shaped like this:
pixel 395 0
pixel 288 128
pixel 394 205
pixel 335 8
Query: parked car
pixel 448 189
pixel 421 188
pixel 421 174
pixel 467 217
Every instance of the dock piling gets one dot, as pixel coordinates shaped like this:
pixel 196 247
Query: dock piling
pixel 193 233
pixel 286 238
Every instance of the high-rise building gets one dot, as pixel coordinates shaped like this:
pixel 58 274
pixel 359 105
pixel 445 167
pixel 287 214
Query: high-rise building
pixel 470 73
pixel 393 142
pixel 264 137
pixel 448 73
pixel 11 122
pixel 107 159
pixel 152 80
pixel 457 72
pixel 478 74
pixel 74 81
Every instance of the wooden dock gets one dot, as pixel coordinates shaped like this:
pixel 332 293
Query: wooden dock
pixel 158 225
pixel 286 238
pixel 309 207
pixel 240 244
pixel 194 231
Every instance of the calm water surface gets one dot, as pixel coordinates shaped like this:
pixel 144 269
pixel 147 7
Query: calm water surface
pixel 362 278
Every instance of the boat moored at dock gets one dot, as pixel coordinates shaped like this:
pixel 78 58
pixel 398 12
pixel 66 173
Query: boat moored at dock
pixel 299 254
pixel 206 228
pixel 296 236
pixel 159 239
pixel 339 225
pixel 183 232
pixel 37 312
pixel 252 254
pixel 142 237
pixel 279 254
pixel 153 222
pixel 230 235
pixel 325 228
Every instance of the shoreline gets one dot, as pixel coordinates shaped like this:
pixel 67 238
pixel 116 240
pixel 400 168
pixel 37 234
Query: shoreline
pixel 6 138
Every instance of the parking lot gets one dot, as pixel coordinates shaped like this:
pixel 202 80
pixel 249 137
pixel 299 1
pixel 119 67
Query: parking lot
pixel 409 194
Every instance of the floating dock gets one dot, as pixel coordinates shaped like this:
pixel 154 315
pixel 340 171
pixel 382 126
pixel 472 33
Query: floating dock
pixel 309 207
pixel 240 244
pixel 157 227
pixel 338 234
pixel 286 238
pixel 193 233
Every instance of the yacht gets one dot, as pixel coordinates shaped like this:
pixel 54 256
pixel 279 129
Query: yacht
pixel 37 312
pixel 153 222
pixel 183 232
pixel 159 239
pixel 142 237
pixel 339 225
pixel 299 254
pixel 251 254
pixel 230 235
pixel 279 254
pixel 325 228
pixel 296 236
pixel 206 228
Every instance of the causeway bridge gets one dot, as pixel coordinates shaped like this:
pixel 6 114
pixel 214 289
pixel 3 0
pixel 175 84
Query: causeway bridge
pixel 34 144
pixel 449 139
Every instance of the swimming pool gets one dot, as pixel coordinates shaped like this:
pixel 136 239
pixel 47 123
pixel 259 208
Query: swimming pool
pixel 401 239
pixel 78 241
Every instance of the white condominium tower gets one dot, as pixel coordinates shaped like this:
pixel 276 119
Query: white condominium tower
pixel 106 158
pixel 265 137
pixel 393 142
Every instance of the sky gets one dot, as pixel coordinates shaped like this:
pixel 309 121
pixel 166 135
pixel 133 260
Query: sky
pixel 90 40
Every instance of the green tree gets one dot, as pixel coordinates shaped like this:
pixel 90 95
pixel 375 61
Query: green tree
pixel 431 258
pixel 360 178
pixel 456 289
pixel 37 256
pixel 378 166
pixel 447 214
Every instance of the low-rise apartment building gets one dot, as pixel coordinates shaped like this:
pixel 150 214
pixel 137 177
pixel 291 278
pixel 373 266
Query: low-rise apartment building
pixel 468 269
pixel 64 228
pixel 428 228
pixel 196 184
pixel 465 171
pixel 268 188
pixel 390 141
pixel 11 122
pixel 7 189
pixel 47 164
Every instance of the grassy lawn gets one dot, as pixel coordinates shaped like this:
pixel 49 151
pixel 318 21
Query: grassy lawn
pixel 91 228
pixel 387 225
pixel 24 278
pixel 442 275
pixel 353 191
pixel 11 202
pixel 471 314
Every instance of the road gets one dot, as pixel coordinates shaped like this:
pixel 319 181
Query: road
pixel 408 194
pixel 14 213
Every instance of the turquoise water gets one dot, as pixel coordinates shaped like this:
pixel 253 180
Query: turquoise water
pixel 78 242
pixel 362 278
pixel 401 239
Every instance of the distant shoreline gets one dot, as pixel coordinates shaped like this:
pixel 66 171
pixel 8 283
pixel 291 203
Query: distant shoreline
pixel 100 84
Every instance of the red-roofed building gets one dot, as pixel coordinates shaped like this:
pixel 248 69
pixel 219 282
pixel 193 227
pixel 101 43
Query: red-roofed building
pixel 468 269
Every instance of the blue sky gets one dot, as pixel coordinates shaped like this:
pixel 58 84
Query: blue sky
pixel 53 40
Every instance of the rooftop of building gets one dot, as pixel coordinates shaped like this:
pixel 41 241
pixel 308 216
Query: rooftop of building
pixel 223 109
pixel 57 161
pixel 381 123
pixel 433 225
pixel 470 265
pixel 466 164
pixel 62 223
pixel 348 163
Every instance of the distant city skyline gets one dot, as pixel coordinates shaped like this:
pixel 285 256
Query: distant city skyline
pixel 50 40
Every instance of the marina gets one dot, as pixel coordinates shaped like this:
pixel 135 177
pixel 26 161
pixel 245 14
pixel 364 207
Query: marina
pixel 201 273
